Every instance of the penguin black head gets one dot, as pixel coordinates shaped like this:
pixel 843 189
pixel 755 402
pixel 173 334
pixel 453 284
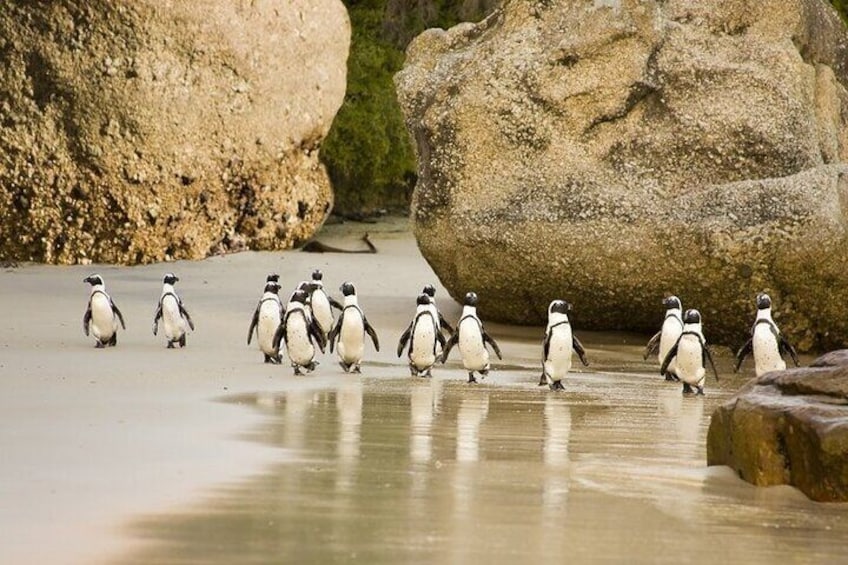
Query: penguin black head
pixel 93 279
pixel 272 286
pixel 423 300
pixel 471 299
pixel 273 277
pixel 170 278
pixel 299 296
pixel 692 316
pixel 763 301
pixel 672 302
pixel 317 275
pixel 348 289
pixel 559 307
pixel 429 290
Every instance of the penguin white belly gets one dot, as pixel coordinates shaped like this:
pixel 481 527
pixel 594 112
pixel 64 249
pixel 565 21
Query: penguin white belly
pixel 423 351
pixel 690 362
pixel 766 353
pixel 671 330
pixel 558 363
pixel 269 321
pixel 475 357
pixel 322 311
pixel 352 337
pixel 104 323
pixel 298 344
pixel 172 319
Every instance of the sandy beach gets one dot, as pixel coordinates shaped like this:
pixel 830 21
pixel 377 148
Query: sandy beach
pixel 102 448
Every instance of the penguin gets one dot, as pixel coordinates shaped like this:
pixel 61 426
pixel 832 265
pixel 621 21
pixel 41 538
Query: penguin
pixel 691 352
pixel 559 342
pixel 266 320
pixel 664 339
pixel 472 340
pixel 298 330
pixel 767 343
pixel 423 335
pixel 175 318
pixel 350 332
pixel 322 304
pixel 430 291
pixel 101 315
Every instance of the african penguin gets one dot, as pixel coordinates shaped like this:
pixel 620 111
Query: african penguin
pixel 691 352
pixel 298 330
pixel 101 315
pixel 766 341
pixel 472 340
pixel 266 320
pixel 430 291
pixel 350 332
pixel 322 304
pixel 664 339
pixel 559 342
pixel 175 318
pixel 422 335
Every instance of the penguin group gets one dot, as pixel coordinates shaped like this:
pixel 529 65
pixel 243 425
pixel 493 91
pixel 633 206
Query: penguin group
pixel 102 315
pixel 683 353
pixel 305 325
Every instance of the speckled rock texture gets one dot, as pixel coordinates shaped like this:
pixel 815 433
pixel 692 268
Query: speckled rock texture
pixel 134 131
pixel 612 152
pixel 789 427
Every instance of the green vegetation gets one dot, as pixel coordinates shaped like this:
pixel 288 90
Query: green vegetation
pixel 368 153
pixel 841 7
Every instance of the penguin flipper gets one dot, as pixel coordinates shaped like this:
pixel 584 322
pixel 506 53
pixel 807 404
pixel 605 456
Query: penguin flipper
pixel 785 346
pixel 186 315
pixel 454 339
pixel 335 303
pixel 279 335
pixel 488 339
pixel 743 352
pixel 672 353
pixel 86 319
pixel 707 356
pixel 653 345
pixel 370 331
pixel 253 323
pixel 405 338
pixel 331 337
pixel 546 348
pixel 315 331
pixel 118 313
pixel 579 349
pixel 444 324
pixel 156 317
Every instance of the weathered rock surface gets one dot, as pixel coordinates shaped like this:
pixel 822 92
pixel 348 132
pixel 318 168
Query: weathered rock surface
pixel 789 427
pixel 612 152
pixel 137 131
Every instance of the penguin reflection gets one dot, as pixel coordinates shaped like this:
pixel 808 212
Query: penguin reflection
pixel 557 435
pixel 472 412
pixel 349 407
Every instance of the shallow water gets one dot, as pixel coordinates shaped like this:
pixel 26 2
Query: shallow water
pixel 388 470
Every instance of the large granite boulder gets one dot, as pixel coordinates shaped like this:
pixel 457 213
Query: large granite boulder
pixel 789 427
pixel 611 152
pixel 140 130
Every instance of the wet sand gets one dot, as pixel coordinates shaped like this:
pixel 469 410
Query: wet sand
pixel 139 454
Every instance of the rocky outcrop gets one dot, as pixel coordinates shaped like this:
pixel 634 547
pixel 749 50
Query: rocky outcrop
pixel 789 427
pixel 611 152
pixel 138 131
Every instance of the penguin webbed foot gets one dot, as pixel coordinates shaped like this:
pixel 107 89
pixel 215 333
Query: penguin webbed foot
pixel 687 389
pixel 471 378
pixel 671 377
pixel 557 385
pixel 170 345
pixel 99 345
pixel 699 391
pixel 543 380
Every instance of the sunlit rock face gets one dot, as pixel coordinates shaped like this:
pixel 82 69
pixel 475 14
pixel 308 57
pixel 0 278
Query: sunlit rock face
pixel 139 130
pixel 789 427
pixel 614 152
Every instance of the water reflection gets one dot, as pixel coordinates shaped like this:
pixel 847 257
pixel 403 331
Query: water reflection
pixel 436 471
